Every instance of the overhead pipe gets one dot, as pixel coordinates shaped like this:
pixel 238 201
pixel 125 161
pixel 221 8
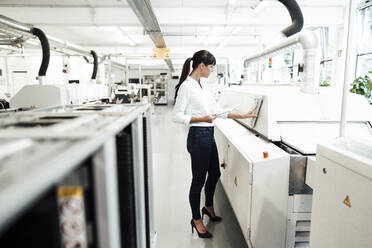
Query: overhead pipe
pixel 41 36
pixel 95 65
pixel 15 25
pixel 46 48
pixel 46 53
pixel 296 16
pixel 310 44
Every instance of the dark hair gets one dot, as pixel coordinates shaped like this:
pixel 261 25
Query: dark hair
pixel 199 57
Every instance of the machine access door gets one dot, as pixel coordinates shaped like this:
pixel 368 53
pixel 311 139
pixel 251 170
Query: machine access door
pixel 239 188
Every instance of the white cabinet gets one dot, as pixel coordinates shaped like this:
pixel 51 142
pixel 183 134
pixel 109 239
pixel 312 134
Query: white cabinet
pixel 240 190
pixel 342 201
pixel 235 179
pixel 257 188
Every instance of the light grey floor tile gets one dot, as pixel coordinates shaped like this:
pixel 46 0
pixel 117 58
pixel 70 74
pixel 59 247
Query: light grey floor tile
pixel 172 178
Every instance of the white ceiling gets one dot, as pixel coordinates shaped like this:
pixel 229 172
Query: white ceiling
pixel 228 30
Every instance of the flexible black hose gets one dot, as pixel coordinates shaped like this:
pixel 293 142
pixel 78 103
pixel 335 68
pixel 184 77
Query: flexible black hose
pixel 95 64
pixel 45 48
pixel 296 15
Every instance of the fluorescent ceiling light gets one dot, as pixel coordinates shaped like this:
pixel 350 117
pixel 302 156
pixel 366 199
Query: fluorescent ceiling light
pixel 212 31
pixel 33 42
pixel 126 37
pixel 232 1
pixel 228 38
pixel 129 41
pixel 260 7
pixel 224 42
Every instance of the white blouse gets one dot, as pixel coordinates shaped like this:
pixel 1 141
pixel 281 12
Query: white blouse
pixel 195 101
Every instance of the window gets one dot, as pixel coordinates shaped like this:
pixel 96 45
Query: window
pixel 326 45
pixel 364 59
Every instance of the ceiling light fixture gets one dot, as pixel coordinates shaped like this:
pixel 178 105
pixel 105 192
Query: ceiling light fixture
pixel 212 31
pixel 228 38
pixel 127 39
pixel 260 7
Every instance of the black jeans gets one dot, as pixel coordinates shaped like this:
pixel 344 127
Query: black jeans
pixel 204 158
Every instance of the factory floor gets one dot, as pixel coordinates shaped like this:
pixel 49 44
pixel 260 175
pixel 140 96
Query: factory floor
pixel 172 178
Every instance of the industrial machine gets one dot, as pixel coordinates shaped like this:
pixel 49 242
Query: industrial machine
pixel 342 201
pixel 38 96
pixel 48 94
pixel 34 169
pixel 264 162
pixel 268 164
pixel 123 208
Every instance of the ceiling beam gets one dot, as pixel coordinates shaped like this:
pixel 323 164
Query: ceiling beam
pixel 240 5
pixel 182 34
pixel 146 15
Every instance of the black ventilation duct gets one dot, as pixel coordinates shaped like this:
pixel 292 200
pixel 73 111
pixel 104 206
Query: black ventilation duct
pixel 45 48
pixel 95 64
pixel 296 15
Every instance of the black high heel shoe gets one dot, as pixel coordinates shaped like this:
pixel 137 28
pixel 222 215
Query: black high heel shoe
pixel 206 235
pixel 214 219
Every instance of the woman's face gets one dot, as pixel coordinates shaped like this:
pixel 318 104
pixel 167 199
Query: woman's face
pixel 206 70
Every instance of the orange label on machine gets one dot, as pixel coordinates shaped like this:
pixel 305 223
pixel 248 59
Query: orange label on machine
pixel 69 191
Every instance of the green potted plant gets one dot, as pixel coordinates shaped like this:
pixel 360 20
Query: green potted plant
pixel 363 86
pixel 325 83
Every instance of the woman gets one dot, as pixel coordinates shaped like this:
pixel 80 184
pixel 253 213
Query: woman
pixel 196 107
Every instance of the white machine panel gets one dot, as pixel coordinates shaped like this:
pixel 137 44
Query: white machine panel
pixel 238 185
pixel 257 187
pixel 342 202
pixel 296 122
pixel 304 136
pixel 39 96
pixel 297 119
pixel 245 100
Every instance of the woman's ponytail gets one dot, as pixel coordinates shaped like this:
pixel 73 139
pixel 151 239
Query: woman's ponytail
pixel 184 74
pixel 199 57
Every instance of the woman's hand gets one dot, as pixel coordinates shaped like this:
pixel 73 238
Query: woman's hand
pixel 209 118
pixel 118 101
pixel 249 114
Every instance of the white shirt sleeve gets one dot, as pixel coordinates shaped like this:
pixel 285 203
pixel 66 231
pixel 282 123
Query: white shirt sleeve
pixel 179 109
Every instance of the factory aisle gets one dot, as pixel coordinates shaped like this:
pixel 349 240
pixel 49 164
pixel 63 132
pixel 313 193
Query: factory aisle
pixel 172 176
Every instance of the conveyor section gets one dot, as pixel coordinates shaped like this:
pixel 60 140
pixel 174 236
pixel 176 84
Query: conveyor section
pixel 80 136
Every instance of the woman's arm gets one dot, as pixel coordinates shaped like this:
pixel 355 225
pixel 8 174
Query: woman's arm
pixel 240 116
pixel 207 118
pixel 179 115
pixel 249 114
pixel 179 109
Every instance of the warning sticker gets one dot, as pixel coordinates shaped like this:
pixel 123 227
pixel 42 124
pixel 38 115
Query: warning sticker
pixel 347 201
